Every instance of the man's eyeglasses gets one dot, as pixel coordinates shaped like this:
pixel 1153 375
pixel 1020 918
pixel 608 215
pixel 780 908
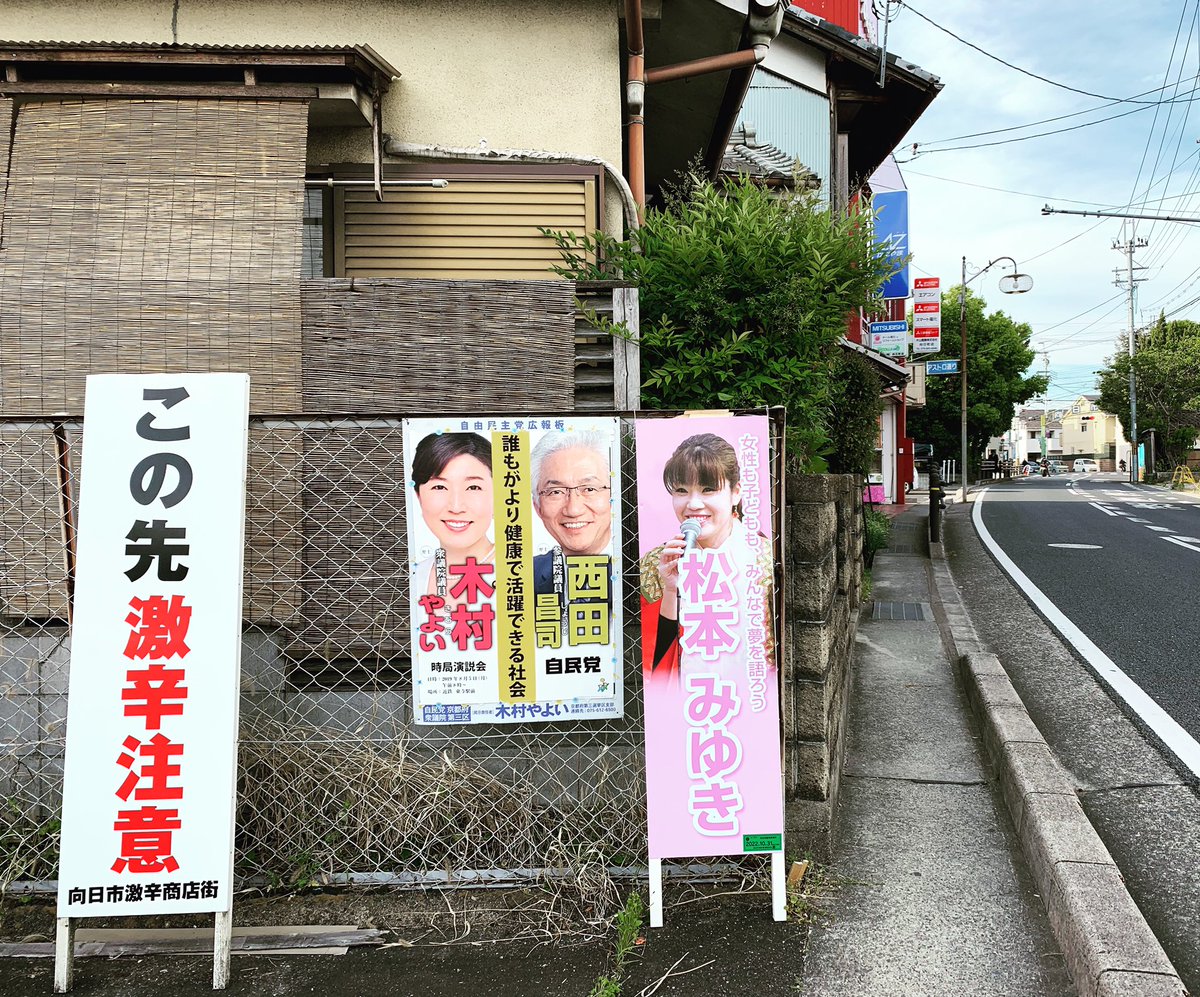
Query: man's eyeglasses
pixel 589 493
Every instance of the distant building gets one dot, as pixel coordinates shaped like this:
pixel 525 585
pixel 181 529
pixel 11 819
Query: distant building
pixel 1023 441
pixel 1079 429
pixel 1088 432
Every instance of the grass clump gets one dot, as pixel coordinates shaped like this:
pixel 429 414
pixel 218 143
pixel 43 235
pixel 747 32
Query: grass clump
pixel 877 535
pixel 628 924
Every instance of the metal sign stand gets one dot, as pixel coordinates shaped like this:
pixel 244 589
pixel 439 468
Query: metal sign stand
pixel 778 890
pixel 222 944
pixel 64 951
pixel 64 954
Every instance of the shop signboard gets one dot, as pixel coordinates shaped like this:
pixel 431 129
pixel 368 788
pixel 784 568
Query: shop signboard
pixel 889 338
pixel 927 315
pixel 152 713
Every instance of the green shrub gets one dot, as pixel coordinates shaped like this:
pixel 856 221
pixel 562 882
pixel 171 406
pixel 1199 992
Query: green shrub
pixel 854 408
pixel 743 299
pixel 879 532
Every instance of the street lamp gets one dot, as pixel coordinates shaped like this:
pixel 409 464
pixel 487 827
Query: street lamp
pixel 1012 283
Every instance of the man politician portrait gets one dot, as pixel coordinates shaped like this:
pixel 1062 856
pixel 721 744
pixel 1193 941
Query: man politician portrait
pixel 572 494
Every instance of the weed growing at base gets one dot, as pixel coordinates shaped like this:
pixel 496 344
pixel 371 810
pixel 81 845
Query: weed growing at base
pixel 628 923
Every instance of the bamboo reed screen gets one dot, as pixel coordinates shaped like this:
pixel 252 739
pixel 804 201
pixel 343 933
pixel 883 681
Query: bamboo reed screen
pixel 438 346
pixel 151 235
pixel 148 236
pixel 6 117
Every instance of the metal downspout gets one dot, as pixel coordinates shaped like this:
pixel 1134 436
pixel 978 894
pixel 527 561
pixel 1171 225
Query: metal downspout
pixel 635 102
pixel 764 21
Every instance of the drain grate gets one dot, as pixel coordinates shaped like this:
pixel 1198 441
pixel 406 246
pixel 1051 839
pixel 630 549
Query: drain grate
pixel 908 612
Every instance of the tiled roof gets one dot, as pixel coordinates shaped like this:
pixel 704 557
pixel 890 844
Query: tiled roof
pixel 746 155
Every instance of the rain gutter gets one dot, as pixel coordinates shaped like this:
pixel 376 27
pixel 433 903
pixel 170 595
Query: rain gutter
pixel 763 24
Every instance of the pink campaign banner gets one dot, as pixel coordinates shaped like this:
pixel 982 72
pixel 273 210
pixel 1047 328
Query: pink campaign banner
pixel 713 773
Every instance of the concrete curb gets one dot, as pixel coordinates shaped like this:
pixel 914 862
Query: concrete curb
pixel 1109 949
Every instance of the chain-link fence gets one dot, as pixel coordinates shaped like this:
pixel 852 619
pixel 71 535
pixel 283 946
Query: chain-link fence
pixel 336 781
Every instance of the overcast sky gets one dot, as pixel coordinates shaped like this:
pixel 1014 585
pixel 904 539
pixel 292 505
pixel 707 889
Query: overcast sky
pixel 986 202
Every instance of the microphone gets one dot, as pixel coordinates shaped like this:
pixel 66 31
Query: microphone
pixel 690 528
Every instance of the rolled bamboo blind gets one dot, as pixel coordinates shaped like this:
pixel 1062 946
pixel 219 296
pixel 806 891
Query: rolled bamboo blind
pixel 151 235
pixel 146 236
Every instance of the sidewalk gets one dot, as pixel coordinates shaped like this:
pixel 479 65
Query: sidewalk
pixel 935 897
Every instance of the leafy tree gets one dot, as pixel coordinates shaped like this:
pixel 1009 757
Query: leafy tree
pixel 743 297
pixel 1166 370
pixel 998 354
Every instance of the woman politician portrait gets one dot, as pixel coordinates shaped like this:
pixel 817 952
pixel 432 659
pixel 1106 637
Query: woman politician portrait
pixel 452 479
pixel 703 481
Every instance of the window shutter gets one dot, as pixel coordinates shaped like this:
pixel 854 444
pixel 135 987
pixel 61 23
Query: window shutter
pixel 474 229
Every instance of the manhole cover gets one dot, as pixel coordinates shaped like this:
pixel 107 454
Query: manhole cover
pixel 909 612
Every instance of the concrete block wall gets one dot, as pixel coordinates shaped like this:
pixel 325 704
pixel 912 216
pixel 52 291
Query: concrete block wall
pixel 823 537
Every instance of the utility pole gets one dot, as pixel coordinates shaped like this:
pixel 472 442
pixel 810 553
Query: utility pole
pixel 962 373
pixel 1128 248
pixel 1045 403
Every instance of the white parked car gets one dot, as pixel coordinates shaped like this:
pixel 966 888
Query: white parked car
pixel 1085 466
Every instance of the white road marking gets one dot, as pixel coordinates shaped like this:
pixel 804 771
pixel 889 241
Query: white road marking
pixel 1107 512
pixel 1077 546
pixel 1177 740
pixel 1183 542
pixel 1132 520
pixel 1160 529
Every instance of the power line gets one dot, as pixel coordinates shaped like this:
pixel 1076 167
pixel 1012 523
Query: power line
pixel 1091 228
pixel 1086 311
pixel 999 190
pixel 1154 123
pixel 1026 72
pixel 919 150
pixel 1051 197
pixel 1071 114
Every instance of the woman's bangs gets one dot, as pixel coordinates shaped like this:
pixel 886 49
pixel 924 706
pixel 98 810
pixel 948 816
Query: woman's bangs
pixel 695 466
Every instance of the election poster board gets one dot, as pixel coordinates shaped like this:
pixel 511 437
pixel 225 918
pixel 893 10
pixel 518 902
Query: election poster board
pixel 151 743
pixel 713 762
pixel 514 568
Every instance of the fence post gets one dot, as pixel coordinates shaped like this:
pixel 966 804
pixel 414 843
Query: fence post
pixel 935 505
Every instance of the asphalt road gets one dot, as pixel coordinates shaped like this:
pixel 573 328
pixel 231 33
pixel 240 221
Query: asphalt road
pixel 1129 591
pixel 1131 581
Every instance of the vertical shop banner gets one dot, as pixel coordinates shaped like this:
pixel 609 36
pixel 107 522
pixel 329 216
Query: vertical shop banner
pixel 151 748
pixel 514 568
pixel 891 232
pixel 927 315
pixel 714 778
